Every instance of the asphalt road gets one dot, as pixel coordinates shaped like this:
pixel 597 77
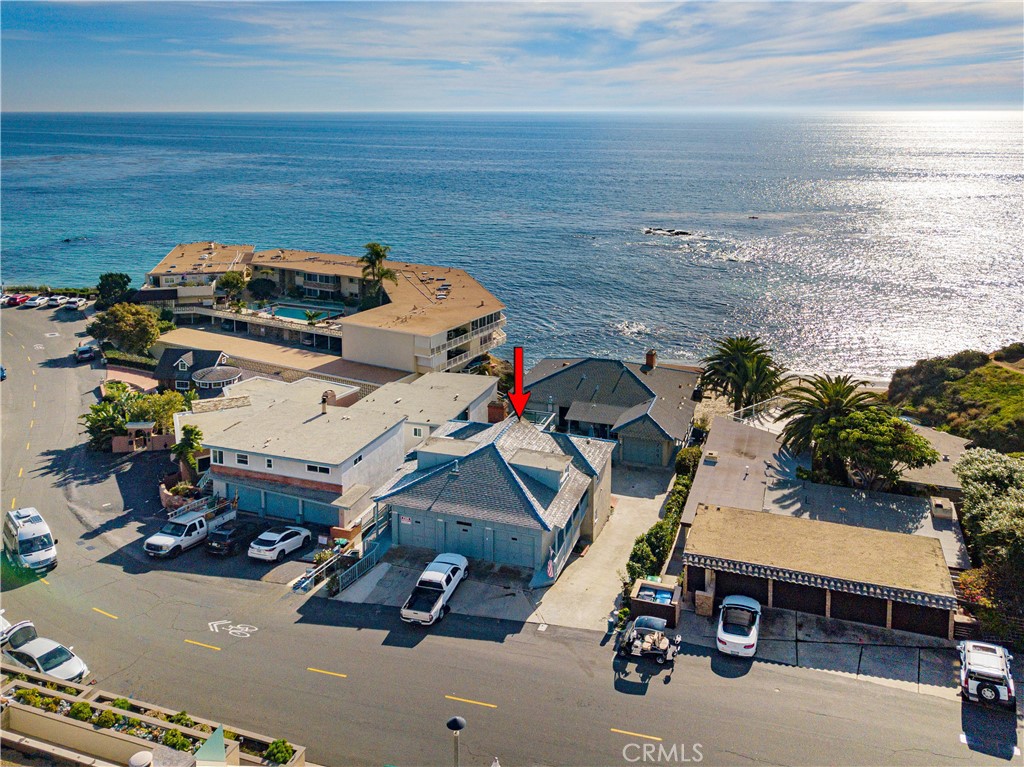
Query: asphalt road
pixel 552 697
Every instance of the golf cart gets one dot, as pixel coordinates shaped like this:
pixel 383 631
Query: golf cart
pixel 645 638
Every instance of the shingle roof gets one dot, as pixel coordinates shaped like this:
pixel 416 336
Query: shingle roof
pixel 663 392
pixel 196 359
pixel 487 487
pixel 594 412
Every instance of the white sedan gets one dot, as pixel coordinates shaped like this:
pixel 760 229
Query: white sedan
pixel 738 623
pixel 76 303
pixel 277 542
pixel 36 302
pixel 57 301
pixel 25 647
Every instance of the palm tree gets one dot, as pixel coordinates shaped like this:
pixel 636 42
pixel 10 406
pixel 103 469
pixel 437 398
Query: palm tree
pixel 374 271
pixel 313 317
pixel 742 370
pixel 817 402
pixel 185 451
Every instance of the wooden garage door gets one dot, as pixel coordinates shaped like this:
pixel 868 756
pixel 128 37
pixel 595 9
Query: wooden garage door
pixel 923 620
pixel 729 584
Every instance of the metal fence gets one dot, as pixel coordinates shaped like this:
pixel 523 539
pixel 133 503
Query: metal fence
pixel 342 566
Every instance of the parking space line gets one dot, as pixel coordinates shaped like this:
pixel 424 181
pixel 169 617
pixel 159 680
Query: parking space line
pixel 635 734
pixel 104 612
pixel 200 644
pixel 329 673
pixel 467 700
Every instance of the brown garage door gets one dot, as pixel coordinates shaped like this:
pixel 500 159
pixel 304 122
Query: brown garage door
pixel 854 607
pixel 923 620
pixel 797 596
pixel 728 584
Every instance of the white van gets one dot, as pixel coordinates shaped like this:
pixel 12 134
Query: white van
pixel 27 541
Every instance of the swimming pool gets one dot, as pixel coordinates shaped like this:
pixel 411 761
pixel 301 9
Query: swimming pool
pixel 298 312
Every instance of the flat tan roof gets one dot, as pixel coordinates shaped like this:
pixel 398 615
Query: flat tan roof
pixel 203 258
pixel 415 303
pixel 827 549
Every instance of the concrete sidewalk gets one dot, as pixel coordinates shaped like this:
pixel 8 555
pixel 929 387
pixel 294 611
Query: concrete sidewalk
pixel 892 658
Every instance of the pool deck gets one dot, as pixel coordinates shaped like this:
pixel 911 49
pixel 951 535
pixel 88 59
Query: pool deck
pixel 277 354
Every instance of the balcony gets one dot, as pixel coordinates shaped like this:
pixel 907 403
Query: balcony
pixel 465 337
pixel 496 340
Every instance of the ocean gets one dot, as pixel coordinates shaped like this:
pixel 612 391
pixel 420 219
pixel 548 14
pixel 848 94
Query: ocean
pixel 855 242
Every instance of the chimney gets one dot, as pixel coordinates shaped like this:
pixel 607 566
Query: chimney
pixel 323 404
pixel 652 358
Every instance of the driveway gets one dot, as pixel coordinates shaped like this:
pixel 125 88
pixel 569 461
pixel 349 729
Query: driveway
pixel 585 594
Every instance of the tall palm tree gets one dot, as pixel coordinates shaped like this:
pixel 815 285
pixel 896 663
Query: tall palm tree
pixel 742 369
pixel 313 317
pixel 374 270
pixel 817 402
pixel 185 451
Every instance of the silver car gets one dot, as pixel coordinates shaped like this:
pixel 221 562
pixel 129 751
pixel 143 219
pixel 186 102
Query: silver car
pixel 26 648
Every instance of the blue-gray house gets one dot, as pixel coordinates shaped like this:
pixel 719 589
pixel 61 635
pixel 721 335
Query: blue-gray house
pixel 509 494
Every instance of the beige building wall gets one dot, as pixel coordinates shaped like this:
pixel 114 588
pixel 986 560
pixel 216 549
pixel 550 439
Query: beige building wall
pixel 374 346
pixel 601 504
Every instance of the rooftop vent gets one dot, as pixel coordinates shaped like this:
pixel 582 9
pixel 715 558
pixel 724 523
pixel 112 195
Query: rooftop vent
pixel 711 456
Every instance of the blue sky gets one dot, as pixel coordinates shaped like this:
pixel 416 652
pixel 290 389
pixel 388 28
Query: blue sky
pixel 436 56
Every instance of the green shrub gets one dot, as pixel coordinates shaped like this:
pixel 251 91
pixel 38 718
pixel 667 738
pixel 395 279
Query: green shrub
pixel 21 677
pixel 174 739
pixel 279 752
pixel 133 722
pixel 107 719
pixel 622 616
pixel 641 560
pixel 51 704
pixel 229 735
pixel 51 685
pixel 70 691
pixel 28 696
pixel 81 711
pixel 117 357
pixel 181 718
pixel 687 461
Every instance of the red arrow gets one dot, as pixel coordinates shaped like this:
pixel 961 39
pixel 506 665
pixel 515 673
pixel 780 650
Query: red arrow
pixel 517 396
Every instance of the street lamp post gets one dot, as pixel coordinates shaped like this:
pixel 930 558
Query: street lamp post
pixel 456 724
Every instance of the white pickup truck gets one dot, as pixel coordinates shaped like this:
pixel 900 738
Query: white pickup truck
pixel 188 527
pixel 435 587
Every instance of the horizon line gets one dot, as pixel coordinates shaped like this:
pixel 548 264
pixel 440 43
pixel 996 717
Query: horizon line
pixel 642 110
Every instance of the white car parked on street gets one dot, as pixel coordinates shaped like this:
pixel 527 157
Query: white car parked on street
pixel 76 303
pixel 738 624
pixel 278 542
pixel 36 302
pixel 57 301
pixel 25 647
pixel 985 674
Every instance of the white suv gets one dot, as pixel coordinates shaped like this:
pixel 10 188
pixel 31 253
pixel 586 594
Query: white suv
pixel 277 542
pixel 985 674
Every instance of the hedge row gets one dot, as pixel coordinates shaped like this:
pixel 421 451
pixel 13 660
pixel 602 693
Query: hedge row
pixel 70 292
pixel 116 357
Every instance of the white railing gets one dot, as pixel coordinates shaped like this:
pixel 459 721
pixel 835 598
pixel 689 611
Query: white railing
pixel 468 336
pixel 247 315
pixel 200 504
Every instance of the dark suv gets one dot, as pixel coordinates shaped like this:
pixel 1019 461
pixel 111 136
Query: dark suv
pixel 229 539
pixel 85 352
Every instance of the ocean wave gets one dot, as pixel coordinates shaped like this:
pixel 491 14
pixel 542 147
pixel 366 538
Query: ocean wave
pixel 632 328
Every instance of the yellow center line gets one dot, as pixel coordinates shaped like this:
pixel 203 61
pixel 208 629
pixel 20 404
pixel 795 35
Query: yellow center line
pixel 635 734
pixel 200 644
pixel 31 423
pixel 21 471
pixel 45 581
pixel 12 502
pixel 329 673
pixel 467 700
pixel 23 347
pixel 33 403
pixel 29 358
pixel 103 612
pixel 28 445
pixel 33 372
pixel 35 387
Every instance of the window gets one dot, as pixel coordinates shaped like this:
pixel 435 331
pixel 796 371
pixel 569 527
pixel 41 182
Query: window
pixel 358 459
pixel 242 459
pixel 182 365
pixel 417 431
pixel 181 384
pixel 316 469
pixel 270 463
pixel 217 456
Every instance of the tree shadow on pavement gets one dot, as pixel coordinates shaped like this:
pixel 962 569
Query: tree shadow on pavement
pixel 989 731
pixel 79 465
